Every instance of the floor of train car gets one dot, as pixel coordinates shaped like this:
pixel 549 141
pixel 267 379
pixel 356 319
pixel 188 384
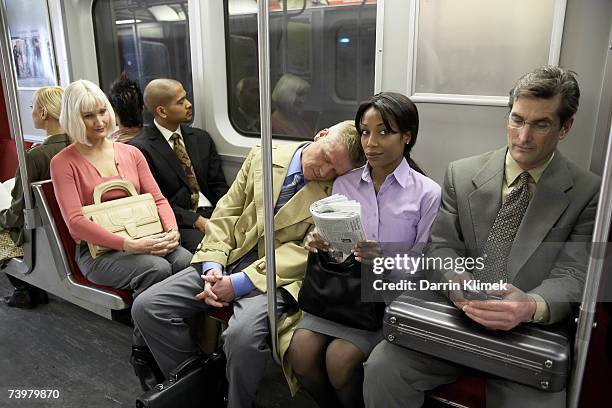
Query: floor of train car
pixel 85 357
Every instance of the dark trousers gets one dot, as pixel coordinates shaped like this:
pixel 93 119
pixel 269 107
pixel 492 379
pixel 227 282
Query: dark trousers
pixel 192 237
pixel 19 284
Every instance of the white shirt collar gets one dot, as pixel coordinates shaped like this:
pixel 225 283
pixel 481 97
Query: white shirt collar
pixel 167 134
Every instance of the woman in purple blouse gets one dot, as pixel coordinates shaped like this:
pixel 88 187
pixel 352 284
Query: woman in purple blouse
pixel 398 205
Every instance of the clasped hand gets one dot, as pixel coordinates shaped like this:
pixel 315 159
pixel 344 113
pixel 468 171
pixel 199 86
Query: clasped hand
pixel 364 251
pixel 218 290
pixel 158 244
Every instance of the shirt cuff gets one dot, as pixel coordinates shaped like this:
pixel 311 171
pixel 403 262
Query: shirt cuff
pixel 211 265
pixel 542 313
pixel 241 284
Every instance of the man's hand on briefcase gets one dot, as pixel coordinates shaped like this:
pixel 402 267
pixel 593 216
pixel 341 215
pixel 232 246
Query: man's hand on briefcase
pixel 515 308
pixel 456 296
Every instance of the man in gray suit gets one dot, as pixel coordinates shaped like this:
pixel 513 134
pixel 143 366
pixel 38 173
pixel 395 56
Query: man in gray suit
pixel 528 197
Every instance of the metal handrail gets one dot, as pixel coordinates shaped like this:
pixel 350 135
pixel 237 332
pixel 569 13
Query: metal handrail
pixel 586 316
pixel 285 31
pixel 266 154
pixel 293 13
pixel 12 106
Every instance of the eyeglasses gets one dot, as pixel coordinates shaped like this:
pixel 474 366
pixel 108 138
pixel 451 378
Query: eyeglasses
pixel 540 128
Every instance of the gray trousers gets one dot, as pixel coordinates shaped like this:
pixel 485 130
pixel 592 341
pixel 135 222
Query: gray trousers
pixel 163 313
pixel 135 272
pixel 398 377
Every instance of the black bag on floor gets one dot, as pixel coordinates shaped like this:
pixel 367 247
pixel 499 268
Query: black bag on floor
pixel 530 354
pixel 198 382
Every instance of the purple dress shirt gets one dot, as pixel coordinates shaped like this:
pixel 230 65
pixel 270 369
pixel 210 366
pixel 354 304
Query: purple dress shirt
pixel 404 209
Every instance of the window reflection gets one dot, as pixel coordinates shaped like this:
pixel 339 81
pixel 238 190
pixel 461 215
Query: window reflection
pixel 316 77
pixel 147 39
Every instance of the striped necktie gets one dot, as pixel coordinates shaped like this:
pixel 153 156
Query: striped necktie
pixel 183 157
pixel 503 232
pixel 288 190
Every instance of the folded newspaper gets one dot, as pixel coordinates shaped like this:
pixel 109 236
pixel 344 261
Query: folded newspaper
pixel 338 221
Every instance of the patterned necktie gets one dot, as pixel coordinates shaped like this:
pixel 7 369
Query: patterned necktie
pixel 287 191
pixel 183 157
pixel 503 232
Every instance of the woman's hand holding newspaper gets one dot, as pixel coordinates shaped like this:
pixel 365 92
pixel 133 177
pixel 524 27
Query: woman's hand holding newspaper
pixel 338 226
pixel 314 242
pixel 366 251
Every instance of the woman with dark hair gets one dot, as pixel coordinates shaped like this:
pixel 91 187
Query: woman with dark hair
pixel 126 99
pixel 399 204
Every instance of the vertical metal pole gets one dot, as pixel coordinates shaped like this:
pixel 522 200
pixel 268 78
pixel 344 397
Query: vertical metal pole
pixel 266 154
pixel 12 106
pixel 593 277
pixel 359 87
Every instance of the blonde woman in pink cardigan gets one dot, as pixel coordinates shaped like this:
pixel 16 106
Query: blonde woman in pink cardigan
pixel 93 158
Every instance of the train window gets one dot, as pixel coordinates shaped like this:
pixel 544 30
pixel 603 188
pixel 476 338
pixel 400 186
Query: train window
pixel 321 63
pixel 478 47
pixel 350 41
pixel 148 38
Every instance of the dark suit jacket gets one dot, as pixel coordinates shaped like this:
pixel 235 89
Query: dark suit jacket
pixel 171 177
pixel 549 254
pixel 38 159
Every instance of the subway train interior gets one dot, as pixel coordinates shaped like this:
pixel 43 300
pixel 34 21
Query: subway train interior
pixel 456 59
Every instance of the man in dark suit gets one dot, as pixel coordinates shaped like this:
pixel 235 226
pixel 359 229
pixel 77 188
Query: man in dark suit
pixel 532 211
pixel 183 159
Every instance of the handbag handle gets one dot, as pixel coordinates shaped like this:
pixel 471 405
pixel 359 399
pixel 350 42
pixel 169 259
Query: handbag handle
pixel 111 185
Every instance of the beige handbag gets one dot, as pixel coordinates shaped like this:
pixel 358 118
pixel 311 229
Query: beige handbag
pixel 130 217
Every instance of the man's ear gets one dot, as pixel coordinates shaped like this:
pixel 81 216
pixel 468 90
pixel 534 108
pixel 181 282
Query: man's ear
pixel 160 111
pixel 322 133
pixel 565 128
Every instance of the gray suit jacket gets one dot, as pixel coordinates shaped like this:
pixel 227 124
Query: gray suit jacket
pixel 549 255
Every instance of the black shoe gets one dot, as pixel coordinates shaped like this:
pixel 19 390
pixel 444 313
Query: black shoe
pixel 20 298
pixel 39 296
pixel 145 368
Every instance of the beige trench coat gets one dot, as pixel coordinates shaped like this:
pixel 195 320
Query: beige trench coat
pixel 237 226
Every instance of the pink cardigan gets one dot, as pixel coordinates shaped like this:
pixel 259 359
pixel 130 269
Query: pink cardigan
pixel 74 179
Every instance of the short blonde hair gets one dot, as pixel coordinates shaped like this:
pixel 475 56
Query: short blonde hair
pixel 82 96
pixel 346 133
pixel 50 98
pixel 286 90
